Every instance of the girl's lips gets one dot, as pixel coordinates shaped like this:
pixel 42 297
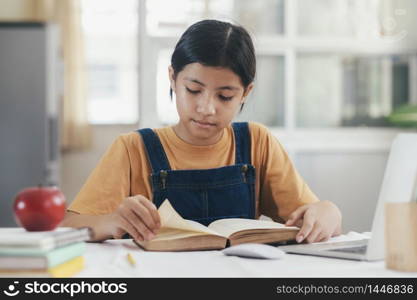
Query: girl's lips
pixel 203 124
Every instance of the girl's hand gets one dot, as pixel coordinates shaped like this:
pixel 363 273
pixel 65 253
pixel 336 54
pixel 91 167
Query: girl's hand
pixel 137 216
pixel 318 221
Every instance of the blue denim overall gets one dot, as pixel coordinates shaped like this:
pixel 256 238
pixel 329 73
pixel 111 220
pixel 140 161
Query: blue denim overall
pixel 205 195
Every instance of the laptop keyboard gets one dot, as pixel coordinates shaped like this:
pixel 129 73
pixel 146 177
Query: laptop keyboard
pixel 358 250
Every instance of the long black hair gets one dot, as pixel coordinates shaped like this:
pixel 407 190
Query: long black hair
pixel 216 44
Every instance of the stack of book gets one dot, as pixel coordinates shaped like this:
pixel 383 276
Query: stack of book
pixel 57 253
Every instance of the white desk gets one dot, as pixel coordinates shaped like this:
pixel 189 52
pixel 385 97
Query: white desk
pixel 108 259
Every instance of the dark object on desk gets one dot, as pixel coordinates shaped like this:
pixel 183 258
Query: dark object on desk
pixel 126 236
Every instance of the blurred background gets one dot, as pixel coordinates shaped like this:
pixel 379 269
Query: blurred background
pixel 336 81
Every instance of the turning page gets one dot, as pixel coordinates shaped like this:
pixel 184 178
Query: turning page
pixel 171 219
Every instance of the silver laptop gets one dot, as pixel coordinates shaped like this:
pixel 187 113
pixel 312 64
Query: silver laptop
pixel 399 185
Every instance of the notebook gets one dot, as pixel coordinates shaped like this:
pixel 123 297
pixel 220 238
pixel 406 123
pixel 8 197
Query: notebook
pixel 399 185
pixel 35 260
pixel 18 239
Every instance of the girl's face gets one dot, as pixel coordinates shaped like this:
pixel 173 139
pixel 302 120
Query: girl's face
pixel 207 100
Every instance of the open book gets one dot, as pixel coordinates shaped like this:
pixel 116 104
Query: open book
pixel 178 234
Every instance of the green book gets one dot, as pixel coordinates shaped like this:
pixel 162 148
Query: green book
pixel 20 258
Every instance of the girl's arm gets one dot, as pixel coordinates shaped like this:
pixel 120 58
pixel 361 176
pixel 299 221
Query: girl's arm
pixel 99 224
pixel 135 215
pixel 285 195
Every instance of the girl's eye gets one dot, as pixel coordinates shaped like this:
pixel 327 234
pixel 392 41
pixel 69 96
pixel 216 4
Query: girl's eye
pixel 225 98
pixel 192 91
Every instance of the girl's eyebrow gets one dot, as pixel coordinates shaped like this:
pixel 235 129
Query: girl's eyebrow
pixel 226 87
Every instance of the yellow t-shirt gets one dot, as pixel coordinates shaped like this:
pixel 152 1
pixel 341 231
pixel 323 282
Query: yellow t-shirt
pixel 124 171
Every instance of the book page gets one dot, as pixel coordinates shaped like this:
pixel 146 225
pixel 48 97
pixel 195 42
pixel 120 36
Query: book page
pixel 227 227
pixel 171 219
pixel 174 234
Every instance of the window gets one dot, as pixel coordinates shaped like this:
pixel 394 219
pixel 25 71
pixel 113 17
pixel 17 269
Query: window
pixel 355 90
pixel 266 103
pixel 167 112
pixel 111 37
pixel 321 63
pixel 173 17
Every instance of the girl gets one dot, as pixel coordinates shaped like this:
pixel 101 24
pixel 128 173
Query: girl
pixel 207 166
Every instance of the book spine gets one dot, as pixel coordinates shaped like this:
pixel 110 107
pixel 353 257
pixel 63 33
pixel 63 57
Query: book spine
pixel 28 251
pixel 60 239
pixel 81 235
pixel 54 240
pixel 66 269
pixel 43 261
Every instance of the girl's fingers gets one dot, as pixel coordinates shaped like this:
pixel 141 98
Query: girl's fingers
pixel 129 228
pixel 143 213
pixel 298 223
pixel 323 238
pixel 296 215
pixel 137 223
pixel 153 211
pixel 312 237
pixel 305 230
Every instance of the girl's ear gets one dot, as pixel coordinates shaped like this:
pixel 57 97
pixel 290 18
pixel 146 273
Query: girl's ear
pixel 247 90
pixel 171 75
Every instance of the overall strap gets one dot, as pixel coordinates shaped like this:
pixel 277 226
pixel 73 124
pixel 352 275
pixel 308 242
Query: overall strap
pixel 243 144
pixel 154 149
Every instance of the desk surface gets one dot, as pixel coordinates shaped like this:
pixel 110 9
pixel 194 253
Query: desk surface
pixel 109 259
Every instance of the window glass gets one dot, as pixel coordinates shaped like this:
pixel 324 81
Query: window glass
pixel 336 90
pixel 266 102
pixel 110 30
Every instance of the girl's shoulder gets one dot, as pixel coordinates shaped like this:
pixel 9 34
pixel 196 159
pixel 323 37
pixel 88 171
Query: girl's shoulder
pixel 129 140
pixel 129 137
pixel 259 132
pixel 258 129
pixel 133 138
pixel 263 140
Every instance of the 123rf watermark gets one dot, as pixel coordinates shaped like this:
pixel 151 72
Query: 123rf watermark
pixel 366 289
pixel 71 288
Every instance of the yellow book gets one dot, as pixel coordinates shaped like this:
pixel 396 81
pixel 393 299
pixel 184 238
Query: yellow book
pixel 66 269
pixel 69 268
pixel 178 234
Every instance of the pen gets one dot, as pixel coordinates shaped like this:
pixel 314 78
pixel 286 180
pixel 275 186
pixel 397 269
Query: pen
pixel 131 260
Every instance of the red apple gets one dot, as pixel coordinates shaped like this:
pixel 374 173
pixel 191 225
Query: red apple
pixel 39 208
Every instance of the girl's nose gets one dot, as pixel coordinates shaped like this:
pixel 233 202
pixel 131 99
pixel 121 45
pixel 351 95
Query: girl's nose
pixel 206 106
